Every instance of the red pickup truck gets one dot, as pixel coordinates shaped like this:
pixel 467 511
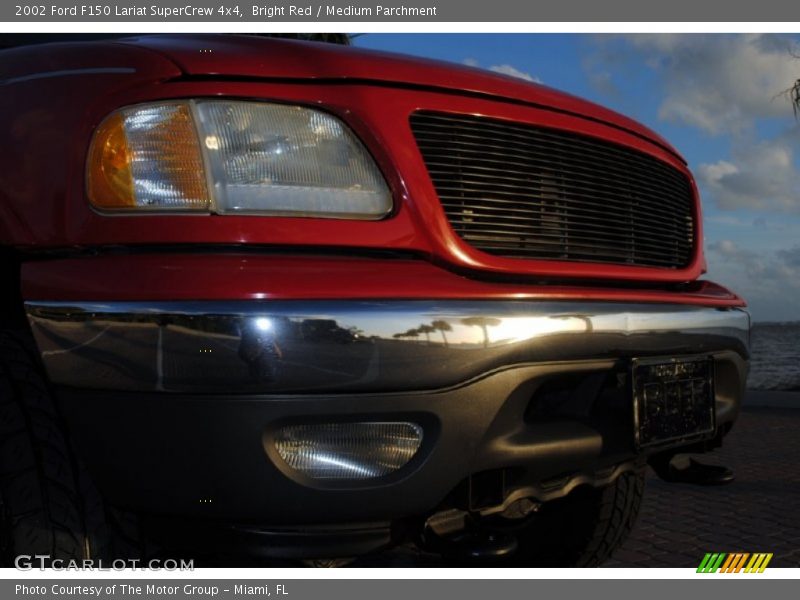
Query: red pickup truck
pixel 294 299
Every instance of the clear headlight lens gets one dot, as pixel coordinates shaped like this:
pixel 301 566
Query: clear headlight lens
pixel 288 160
pixel 234 157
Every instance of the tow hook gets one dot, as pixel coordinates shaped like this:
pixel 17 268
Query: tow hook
pixel 682 469
pixel 479 545
pixel 460 535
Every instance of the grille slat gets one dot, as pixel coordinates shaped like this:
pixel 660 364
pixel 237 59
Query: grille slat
pixel 520 222
pixel 585 242
pixel 508 132
pixel 577 197
pixel 522 156
pixel 587 178
pixel 523 191
pixel 611 157
pixel 551 237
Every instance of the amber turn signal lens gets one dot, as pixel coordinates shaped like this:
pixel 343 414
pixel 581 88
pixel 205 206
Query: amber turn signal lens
pixel 110 180
pixel 147 158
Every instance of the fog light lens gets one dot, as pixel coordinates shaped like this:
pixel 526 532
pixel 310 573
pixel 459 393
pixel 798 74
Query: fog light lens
pixel 348 450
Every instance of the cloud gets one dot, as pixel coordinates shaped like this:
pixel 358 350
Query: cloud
pixel 727 219
pixel 731 251
pixel 791 256
pixel 514 72
pixel 769 281
pixel 760 175
pixel 720 83
pixel 603 81
pixel 504 69
pixel 766 273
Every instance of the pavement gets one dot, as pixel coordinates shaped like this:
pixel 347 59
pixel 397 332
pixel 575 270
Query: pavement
pixel 759 512
pixel 772 399
pixel 679 523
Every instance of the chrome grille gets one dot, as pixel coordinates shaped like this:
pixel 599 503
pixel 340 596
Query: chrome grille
pixel 531 192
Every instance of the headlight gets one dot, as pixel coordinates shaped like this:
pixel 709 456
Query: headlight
pixel 233 157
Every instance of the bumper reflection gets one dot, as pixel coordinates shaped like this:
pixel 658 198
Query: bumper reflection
pixel 248 347
pixel 259 349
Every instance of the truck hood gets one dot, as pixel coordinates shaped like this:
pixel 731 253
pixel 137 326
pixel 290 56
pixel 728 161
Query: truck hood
pixel 271 58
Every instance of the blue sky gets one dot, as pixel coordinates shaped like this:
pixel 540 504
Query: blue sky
pixel 716 97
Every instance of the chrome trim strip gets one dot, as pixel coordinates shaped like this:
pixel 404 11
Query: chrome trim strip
pixel 67 73
pixel 353 346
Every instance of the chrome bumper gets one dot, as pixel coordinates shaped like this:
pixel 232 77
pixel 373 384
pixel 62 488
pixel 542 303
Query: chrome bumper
pixel 353 346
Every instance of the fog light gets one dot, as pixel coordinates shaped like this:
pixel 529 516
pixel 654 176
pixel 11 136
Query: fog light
pixel 348 450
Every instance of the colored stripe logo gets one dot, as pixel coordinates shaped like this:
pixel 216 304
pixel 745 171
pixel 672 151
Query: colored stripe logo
pixel 737 562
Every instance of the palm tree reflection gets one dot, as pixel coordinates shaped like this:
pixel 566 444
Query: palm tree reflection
pixel 442 326
pixel 484 323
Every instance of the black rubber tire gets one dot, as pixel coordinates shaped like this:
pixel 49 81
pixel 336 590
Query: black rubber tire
pixel 48 505
pixel 584 528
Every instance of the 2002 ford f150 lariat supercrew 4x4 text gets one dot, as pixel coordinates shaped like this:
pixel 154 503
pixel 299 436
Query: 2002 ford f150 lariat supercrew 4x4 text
pixel 294 299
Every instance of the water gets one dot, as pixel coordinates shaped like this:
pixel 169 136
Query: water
pixel 775 361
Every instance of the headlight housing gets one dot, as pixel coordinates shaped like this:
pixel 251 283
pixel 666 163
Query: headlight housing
pixel 233 157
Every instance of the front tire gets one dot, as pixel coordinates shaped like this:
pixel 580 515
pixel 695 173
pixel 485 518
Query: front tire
pixel 48 505
pixel 584 528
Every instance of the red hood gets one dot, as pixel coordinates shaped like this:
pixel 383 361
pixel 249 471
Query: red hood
pixel 251 56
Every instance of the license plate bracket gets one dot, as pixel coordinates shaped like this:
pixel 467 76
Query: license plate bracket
pixel 673 400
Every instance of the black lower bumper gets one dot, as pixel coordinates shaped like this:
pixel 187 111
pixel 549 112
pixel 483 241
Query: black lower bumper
pixel 515 400
pixel 547 427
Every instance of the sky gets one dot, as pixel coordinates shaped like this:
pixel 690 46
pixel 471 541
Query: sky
pixel 718 98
